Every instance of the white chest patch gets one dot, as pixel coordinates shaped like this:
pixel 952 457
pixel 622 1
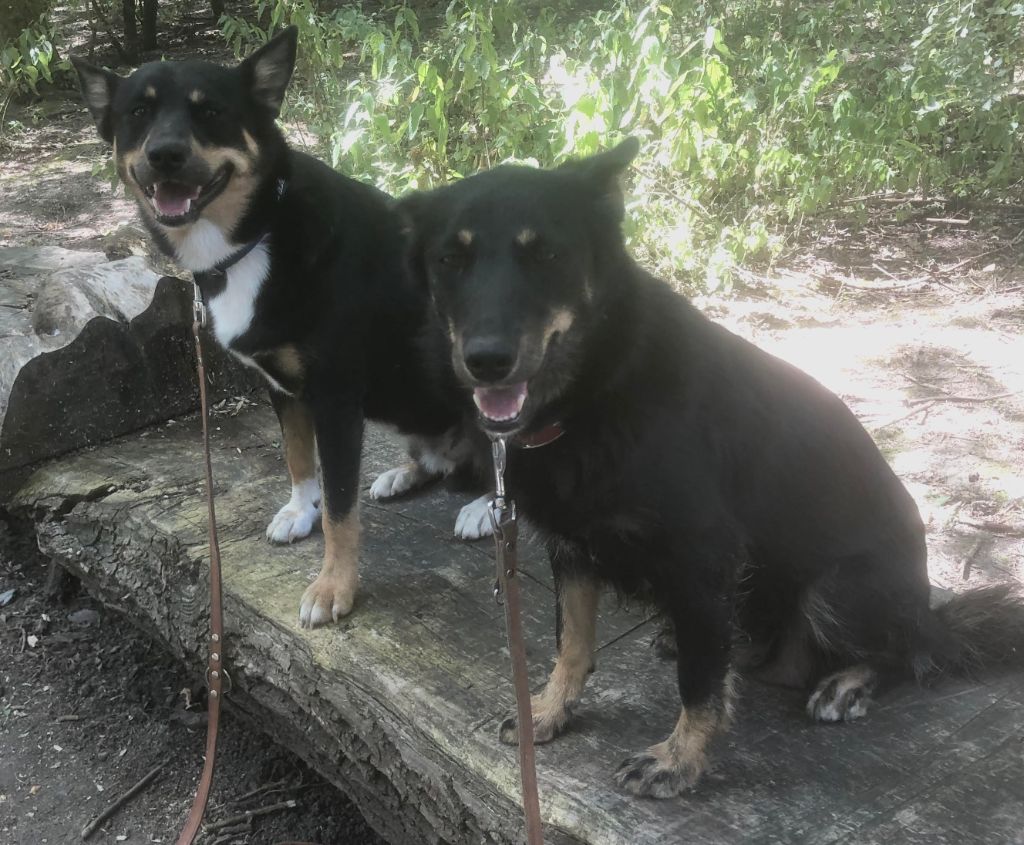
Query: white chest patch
pixel 233 308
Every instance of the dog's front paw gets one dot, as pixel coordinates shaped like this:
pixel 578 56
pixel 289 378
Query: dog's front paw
pixel 654 774
pixel 474 520
pixel 547 724
pixel 395 482
pixel 327 599
pixel 296 519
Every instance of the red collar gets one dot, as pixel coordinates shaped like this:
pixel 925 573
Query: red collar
pixel 541 437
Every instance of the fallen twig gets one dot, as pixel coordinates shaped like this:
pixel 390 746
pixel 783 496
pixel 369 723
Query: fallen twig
pixel 241 818
pixel 71 717
pixel 973 556
pixel 950 221
pixel 93 826
pixel 1003 528
pixel 946 397
pixel 912 413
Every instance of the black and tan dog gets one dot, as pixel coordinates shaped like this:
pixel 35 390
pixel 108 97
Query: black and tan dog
pixel 724 485
pixel 304 277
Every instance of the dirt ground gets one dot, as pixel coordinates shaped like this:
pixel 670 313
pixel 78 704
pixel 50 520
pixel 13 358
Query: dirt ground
pixel 913 315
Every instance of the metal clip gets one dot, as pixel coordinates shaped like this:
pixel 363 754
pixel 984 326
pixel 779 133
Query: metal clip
pixel 198 306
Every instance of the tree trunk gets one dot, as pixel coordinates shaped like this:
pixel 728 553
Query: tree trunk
pixel 131 29
pixel 217 7
pixel 149 9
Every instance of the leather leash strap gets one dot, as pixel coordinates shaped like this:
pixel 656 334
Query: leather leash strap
pixel 506 535
pixel 214 664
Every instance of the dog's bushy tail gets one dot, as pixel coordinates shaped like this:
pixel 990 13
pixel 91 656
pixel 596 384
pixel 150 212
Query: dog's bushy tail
pixel 979 629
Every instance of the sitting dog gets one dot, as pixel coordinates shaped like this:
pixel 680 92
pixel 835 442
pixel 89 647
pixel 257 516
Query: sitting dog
pixel 303 274
pixel 681 464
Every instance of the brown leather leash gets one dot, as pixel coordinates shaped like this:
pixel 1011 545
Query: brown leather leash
pixel 506 535
pixel 214 663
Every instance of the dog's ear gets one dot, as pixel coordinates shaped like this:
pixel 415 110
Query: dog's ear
pixel 98 88
pixel 267 71
pixel 602 171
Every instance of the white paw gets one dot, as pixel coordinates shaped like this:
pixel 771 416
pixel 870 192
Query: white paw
pixel 396 481
pixel 297 518
pixel 843 696
pixel 474 520
pixel 328 598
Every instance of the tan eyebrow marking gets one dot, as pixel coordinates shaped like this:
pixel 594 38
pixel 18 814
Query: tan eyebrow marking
pixel 197 96
pixel 465 237
pixel 526 236
pixel 151 92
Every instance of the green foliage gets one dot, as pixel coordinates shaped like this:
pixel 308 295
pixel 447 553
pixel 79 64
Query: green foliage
pixel 28 59
pixel 753 113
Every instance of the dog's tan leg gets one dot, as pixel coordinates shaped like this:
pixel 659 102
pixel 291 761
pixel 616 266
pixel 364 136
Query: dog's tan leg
pixel 666 769
pixel 338 421
pixel 297 518
pixel 552 708
pixel 333 593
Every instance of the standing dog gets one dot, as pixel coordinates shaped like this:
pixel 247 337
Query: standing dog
pixel 304 277
pixel 683 465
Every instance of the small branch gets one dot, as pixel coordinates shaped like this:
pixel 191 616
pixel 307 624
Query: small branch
pixel 973 556
pixel 949 221
pixel 1004 528
pixel 242 818
pixel 913 413
pixel 949 398
pixel 93 826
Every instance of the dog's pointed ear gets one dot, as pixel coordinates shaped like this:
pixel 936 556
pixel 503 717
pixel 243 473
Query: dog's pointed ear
pixel 268 71
pixel 98 88
pixel 603 171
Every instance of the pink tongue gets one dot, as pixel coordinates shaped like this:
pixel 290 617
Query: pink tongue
pixel 499 403
pixel 172 199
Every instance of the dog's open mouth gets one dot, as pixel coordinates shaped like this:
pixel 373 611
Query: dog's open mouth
pixel 501 406
pixel 177 203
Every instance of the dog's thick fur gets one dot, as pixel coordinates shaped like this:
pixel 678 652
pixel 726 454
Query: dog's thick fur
pixel 322 305
pixel 727 487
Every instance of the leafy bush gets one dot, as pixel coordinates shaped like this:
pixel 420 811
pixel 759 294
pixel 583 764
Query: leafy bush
pixel 754 113
pixel 28 59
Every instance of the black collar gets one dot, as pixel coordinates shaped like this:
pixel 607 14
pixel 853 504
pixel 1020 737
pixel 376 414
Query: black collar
pixel 212 281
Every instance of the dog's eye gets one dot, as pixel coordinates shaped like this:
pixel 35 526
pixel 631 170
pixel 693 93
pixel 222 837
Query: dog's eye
pixel 210 110
pixel 140 110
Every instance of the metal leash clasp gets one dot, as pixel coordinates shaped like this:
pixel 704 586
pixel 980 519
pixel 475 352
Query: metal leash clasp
pixel 198 306
pixel 502 514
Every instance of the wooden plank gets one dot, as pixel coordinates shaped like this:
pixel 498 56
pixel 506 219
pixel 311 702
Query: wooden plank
pixel 399 704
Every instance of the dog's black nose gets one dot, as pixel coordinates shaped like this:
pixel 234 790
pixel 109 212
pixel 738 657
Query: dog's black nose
pixel 167 156
pixel 489 358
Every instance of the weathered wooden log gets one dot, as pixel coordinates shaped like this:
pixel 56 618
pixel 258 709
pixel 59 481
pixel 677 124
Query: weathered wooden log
pixel 399 704
pixel 90 349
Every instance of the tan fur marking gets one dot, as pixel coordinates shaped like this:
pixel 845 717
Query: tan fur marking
pixel 290 361
pixel 250 143
pixel 151 92
pixel 560 322
pixel 197 96
pixel 299 441
pixel 527 236
pixel 341 546
pixel 465 237
pixel 685 749
pixel 579 600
